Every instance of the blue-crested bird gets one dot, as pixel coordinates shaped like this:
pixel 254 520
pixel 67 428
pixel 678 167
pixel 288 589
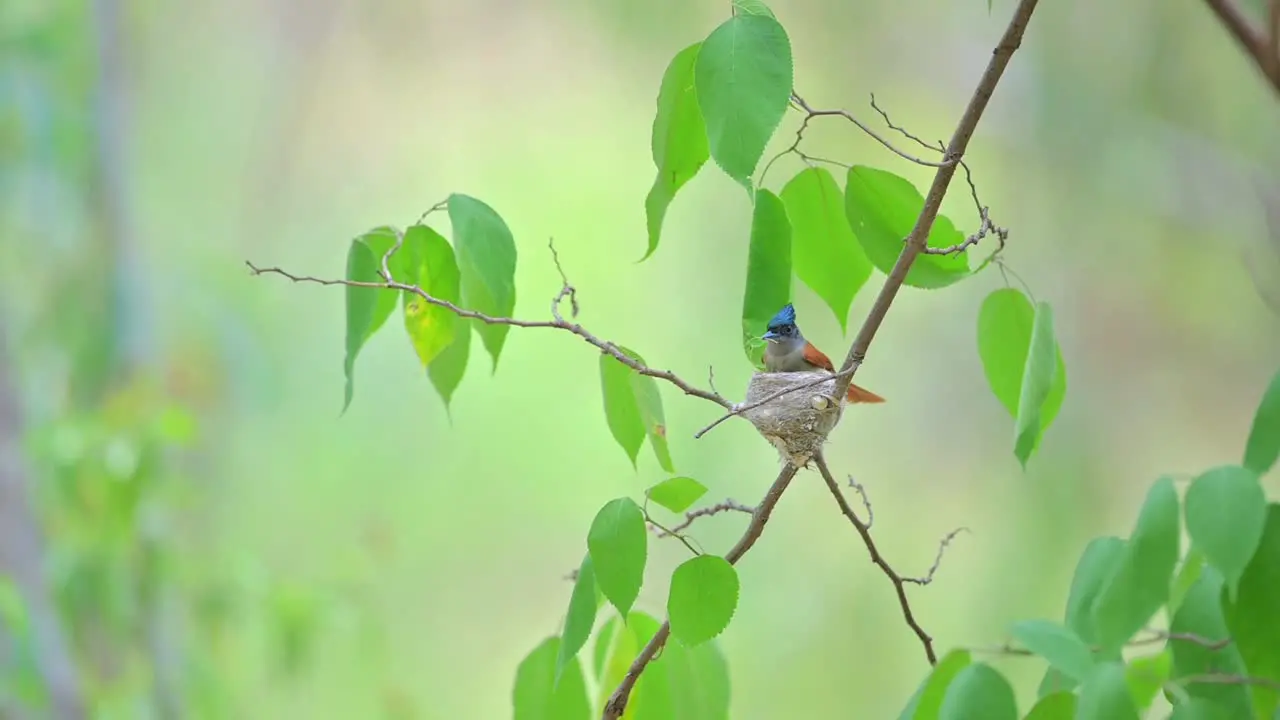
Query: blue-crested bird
pixel 788 351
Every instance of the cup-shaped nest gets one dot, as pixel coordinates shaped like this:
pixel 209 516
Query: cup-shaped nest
pixel 798 422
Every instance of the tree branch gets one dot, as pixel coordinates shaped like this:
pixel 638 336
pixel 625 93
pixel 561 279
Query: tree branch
pixel 899 582
pixel 558 322
pixel 916 241
pixel 618 701
pixel 1264 51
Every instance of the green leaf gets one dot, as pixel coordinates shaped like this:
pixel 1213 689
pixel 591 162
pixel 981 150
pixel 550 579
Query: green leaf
pixel 1200 614
pixel 679 140
pixel 649 403
pixel 1059 645
pixel 743 78
pixel 581 615
pixel 826 255
pixel 1054 706
pixel 927 700
pixel 1252 616
pixel 768 272
pixel 537 695
pixel 1146 675
pixel 621 408
pixel 618 546
pixel 979 692
pixel 1263 446
pixel 677 494
pixel 1037 382
pixel 1140 583
pixel 487 262
pixel 882 209
pixel 1097 563
pixel 450 365
pixel 1225 514
pixel 1104 695
pixel 752 7
pixel 367 308
pixel 428 262
pixel 1192 564
pixel 703 596
pixel 1018 352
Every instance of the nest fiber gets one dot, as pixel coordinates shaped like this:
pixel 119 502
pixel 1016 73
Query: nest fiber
pixel 796 423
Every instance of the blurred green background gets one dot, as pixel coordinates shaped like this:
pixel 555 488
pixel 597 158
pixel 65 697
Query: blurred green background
pixel 217 539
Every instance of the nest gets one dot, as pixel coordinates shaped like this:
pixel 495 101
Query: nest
pixel 796 423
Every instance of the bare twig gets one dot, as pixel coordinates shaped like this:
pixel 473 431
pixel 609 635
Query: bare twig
pixel 618 701
pixel 689 517
pixel 937 560
pixel 917 240
pixel 559 323
pixel 986 228
pixel 810 113
pixel 566 290
pixel 1262 50
pixel 899 582
pixel 1157 637
pixel 866 501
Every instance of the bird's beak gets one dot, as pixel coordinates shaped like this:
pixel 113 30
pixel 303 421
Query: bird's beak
pixel 770 335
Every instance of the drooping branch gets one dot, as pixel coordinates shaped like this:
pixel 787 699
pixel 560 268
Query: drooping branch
pixel 557 322
pixel 898 580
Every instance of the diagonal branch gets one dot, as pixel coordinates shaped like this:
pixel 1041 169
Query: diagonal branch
pixel 1264 51
pixel 916 241
pixel 618 701
pixel 1012 38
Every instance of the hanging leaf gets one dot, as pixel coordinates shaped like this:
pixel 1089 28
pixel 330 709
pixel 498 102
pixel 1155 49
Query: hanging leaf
pixel 826 255
pixel 487 263
pixel 743 80
pixel 768 285
pixel 619 547
pixel 428 263
pixel 702 599
pixel 367 308
pixel 679 140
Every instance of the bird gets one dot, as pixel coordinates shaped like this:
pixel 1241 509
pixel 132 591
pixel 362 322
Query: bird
pixel 788 351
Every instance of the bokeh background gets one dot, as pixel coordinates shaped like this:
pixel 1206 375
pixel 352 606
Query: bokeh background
pixel 219 542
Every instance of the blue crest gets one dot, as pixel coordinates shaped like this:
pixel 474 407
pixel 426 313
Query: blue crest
pixel 785 316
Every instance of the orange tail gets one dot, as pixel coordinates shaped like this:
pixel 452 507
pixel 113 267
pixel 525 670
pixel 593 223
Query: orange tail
pixel 862 395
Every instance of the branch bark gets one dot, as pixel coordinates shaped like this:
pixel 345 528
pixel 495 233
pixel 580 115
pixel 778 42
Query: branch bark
pixel 1264 51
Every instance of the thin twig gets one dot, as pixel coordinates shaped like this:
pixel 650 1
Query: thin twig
pixel 745 407
pixel 618 701
pixel 1157 637
pixel 899 582
pixel 917 240
pixel 866 501
pixel 689 517
pixel 937 560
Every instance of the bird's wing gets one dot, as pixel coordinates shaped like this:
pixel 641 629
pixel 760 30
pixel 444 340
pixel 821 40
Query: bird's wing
pixel 814 356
